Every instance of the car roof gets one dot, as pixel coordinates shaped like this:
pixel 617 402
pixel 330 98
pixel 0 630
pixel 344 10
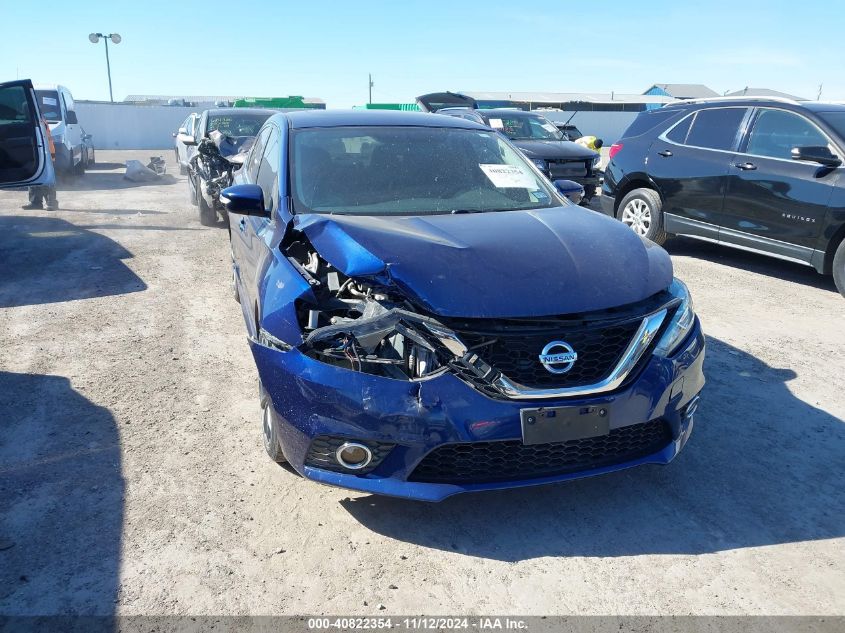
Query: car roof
pixel 346 118
pixel 813 106
pixel 508 111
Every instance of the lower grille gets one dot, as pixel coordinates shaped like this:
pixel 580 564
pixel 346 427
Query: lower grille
pixel 566 169
pixel 321 453
pixel 488 462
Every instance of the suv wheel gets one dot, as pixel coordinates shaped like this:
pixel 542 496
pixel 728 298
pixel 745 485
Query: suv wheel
pixel 839 268
pixel 641 210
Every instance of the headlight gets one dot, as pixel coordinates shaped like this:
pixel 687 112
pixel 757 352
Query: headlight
pixel 681 323
pixel 596 161
pixel 540 164
pixel 392 343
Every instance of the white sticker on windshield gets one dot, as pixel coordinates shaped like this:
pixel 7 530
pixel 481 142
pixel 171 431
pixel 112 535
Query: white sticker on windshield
pixel 549 127
pixel 496 124
pixel 509 176
pixel 49 101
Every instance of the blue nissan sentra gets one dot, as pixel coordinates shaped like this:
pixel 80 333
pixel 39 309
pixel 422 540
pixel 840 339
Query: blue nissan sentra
pixel 430 316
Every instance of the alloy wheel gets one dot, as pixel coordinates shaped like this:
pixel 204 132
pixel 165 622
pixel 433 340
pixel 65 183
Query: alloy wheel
pixel 637 215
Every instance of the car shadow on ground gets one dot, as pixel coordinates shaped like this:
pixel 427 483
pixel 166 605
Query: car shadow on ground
pixel 751 262
pixel 762 467
pixel 45 260
pixel 61 499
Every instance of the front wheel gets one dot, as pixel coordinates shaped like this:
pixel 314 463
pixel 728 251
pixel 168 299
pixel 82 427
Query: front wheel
pixel 642 211
pixel 208 216
pixel 192 189
pixel 839 268
pixel 270 431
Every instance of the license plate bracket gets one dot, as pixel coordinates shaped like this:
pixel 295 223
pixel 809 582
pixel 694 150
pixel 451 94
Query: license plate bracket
pixel 545 425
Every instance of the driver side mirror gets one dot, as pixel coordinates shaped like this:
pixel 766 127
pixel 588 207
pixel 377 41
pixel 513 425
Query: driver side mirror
pixel 816 154
pixel 245 200
pixel 71 118
pixel 187 139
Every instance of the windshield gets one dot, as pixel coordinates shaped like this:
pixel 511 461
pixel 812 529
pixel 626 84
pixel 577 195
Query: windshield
pixel 522 127
pixel 836 120
pixel 237 124
pixel 48 103
pixel 411 171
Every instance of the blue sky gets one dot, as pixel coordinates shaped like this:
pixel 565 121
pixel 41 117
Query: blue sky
pixel 326 48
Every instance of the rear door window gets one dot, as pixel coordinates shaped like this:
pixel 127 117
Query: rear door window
pixel 776 132
pixel 48 102
pixel 716 128
pixel 678 134
pixel 649 120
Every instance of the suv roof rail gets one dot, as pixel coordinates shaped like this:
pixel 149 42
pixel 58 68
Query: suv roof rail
pixel 735 98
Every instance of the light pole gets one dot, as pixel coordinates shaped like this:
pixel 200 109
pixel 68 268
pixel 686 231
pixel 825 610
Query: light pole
pixel 114 37
pixel 371 88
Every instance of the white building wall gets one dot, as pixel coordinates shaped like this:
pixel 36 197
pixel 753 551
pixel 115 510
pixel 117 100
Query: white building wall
pixel 125 126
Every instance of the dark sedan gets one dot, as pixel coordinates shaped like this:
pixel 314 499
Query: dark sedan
pixel 538 138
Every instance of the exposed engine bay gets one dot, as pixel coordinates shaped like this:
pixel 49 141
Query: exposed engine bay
pixel 217 157
pixel 362 326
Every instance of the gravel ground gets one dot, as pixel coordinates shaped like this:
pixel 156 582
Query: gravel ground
pixel 133 479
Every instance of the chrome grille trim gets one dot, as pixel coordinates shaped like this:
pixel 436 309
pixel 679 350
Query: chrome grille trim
pixel 648 329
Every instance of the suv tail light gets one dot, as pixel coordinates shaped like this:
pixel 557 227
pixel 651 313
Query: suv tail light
pixel 614 149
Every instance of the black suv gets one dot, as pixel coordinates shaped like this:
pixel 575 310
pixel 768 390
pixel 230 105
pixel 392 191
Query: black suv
pixel 762 175
pixel 537 137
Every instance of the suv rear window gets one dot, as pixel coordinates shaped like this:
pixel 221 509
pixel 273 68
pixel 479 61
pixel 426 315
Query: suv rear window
pixel 648 120
pixel 716 128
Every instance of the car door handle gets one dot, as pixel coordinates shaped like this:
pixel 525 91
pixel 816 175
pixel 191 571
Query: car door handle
pixel 242 224
pixel 746 166
pixel 665 153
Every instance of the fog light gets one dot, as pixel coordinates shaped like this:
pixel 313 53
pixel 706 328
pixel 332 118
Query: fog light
pixel 353 456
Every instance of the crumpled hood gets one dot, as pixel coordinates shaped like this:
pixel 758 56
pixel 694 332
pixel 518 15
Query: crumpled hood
pixel 546 262
pixel 551 150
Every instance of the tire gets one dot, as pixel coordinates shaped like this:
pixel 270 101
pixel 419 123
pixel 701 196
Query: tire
pixel 642 211
pixel 79 170
pixel 235 292
pixel 208 216
pixel 270 430
pixel 192 189
pixel 839 268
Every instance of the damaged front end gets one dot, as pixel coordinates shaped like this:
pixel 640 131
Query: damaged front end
pixel 368 327
pixel 352 363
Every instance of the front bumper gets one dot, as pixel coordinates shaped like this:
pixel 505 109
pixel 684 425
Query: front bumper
pixel 311 399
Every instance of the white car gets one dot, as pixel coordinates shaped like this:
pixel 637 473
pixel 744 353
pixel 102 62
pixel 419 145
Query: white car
pixel 57 107
pixel 183 151
pixel 24 153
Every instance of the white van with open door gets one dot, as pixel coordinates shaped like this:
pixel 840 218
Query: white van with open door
pixel 57 107
pixel 24 151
